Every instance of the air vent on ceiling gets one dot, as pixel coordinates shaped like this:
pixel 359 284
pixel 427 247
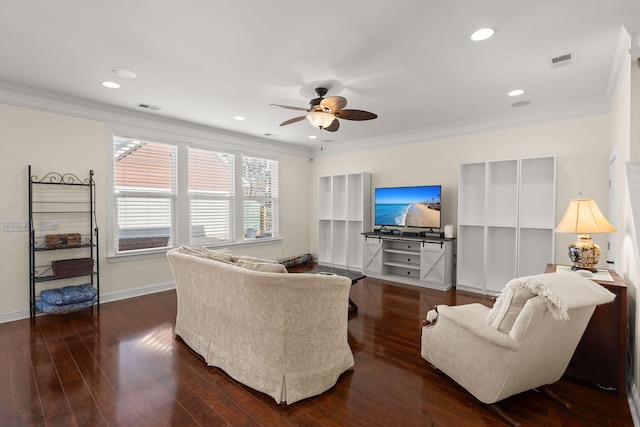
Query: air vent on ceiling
pixel 562 60
pixel 150 107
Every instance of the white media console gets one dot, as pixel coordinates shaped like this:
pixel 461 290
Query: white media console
pixel 420 261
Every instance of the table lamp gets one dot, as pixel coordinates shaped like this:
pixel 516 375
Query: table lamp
pixel 583 217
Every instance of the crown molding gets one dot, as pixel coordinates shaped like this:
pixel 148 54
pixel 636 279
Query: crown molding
pixel 139 123
pixel 143 122
pixel 619 65
pixel 523 117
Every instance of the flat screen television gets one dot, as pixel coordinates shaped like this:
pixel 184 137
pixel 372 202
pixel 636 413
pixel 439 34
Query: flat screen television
pixel 417 206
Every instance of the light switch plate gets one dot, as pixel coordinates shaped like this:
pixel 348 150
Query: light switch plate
pixel 10 226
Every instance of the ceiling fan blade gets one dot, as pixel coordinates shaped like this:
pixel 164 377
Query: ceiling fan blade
pixel 333 126
pixel 288 107
pixel 334 103
pixel 294 120
pixel 355 115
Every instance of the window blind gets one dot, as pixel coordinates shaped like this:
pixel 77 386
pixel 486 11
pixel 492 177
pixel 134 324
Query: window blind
pixel 145 192
pixel 260 190
pixel 211 196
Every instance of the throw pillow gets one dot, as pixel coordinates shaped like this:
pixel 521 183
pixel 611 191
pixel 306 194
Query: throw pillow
pixel 507 307
pixel 259 260
pixel 262 266
pixel 199 252
pixel 220 255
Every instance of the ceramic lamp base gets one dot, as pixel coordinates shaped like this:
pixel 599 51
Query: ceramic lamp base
pixel 584 253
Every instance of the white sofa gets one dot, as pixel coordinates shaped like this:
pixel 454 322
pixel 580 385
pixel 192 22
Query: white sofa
pixel 279 333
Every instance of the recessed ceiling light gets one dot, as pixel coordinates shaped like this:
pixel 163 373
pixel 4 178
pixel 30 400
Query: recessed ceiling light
pixel 240 118
pixel 111 85
pixel 312 137
pixel 516 92
pixel 123 72
pixel 482 34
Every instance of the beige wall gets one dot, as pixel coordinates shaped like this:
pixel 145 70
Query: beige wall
pixel 61 143
pixel 581 146
pixel 626 146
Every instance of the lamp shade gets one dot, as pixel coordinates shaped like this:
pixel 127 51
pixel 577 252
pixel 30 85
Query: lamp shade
pixel 584 217
pixel 320 119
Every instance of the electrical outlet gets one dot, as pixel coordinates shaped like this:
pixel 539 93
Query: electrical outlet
pixel 10 226
pixel 53 225
pixel 43 225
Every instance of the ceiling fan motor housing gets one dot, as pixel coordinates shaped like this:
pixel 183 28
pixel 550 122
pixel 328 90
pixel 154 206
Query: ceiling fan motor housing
pixel 321 92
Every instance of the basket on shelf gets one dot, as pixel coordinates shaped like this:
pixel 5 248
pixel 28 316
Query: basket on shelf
pixel 57 241
pixel 72 267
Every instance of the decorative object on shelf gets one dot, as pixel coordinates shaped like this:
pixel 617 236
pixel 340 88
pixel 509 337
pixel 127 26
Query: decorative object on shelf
pixel 72 267
pixel 71 240
pixel 69 294
pixel 583 217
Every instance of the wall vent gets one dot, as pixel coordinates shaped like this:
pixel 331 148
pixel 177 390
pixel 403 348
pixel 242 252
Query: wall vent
pixel 150 107
pixel 562 60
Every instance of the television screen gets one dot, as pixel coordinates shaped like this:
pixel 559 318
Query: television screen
pixel 408 206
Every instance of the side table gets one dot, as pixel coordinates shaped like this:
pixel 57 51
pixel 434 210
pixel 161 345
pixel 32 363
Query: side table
pixel 600 357
pixel 353 275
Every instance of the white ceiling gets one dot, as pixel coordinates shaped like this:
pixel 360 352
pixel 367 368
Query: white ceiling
pixel 411 62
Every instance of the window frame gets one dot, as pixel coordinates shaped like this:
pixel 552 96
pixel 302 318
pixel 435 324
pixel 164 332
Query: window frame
pixel 181 214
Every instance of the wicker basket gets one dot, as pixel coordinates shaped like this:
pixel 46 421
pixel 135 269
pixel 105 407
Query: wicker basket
pixel 72 267
pixel 57 241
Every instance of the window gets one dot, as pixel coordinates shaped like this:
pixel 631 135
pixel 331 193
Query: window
pixel 145 194
pixel 211 196
pixel 165 195
pixel 260 192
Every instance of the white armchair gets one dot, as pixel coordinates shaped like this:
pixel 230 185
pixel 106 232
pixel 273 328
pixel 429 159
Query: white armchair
pixel 525 341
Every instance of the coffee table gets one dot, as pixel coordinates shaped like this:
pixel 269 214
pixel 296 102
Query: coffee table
pixel 353 275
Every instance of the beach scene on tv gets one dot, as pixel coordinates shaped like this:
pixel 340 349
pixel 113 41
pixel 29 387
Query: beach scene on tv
pixel 408 206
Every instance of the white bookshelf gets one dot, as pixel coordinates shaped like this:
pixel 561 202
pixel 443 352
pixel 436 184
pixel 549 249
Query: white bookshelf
pixel 344 213
pixel 506 217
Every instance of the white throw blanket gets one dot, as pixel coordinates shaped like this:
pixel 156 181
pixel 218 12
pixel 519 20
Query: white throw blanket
pixel 559 291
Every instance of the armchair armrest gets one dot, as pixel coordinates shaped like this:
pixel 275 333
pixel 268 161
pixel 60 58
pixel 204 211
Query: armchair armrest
pixel 473 317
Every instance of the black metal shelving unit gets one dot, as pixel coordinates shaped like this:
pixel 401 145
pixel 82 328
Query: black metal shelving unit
pixel 72 201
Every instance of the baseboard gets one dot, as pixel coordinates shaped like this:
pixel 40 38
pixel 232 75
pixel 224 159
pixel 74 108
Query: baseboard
pixel 12 316
pixel 634 403
pixel 136 292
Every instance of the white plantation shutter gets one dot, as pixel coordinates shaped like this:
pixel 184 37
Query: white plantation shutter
pixel 211 196
pixel 145 193
pixel 260 190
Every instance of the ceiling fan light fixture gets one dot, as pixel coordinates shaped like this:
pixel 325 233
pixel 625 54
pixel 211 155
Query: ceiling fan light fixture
pixel 320 119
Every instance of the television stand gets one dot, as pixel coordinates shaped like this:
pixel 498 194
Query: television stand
pixel 420 261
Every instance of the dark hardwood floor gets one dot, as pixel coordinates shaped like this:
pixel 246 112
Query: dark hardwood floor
pixel 121 365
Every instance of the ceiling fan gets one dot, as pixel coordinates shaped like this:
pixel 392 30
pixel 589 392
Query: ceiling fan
pixel 325 112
